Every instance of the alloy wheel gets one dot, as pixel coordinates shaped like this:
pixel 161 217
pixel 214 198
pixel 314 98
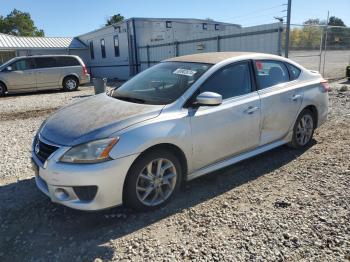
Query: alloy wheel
pixel 304 129
pixel 156 182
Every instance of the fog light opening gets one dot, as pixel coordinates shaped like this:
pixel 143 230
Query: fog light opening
pixel 61 194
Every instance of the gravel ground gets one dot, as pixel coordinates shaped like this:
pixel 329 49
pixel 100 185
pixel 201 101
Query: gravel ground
pixel 284 205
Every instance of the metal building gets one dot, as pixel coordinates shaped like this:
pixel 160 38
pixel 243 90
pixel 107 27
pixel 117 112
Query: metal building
pixel 11 46
pixel 114 51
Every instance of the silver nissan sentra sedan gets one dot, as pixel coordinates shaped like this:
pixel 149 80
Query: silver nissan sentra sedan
pixel 176 121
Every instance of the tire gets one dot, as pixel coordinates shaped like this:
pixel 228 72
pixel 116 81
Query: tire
pixel 2 89
pixel 70 83
pixel 142 190
pixel 303 129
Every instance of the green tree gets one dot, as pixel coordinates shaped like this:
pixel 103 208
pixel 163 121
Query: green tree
pixel 336 21
pixel 114 19
pixel 311 34
pixel 20 24
pixel 338 37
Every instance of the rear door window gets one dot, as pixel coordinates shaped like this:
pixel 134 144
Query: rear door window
pixel 270 73
pixel 45 62
pixel 66 61
pixel 233 80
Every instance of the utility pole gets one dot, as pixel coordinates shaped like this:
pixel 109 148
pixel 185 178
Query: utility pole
pixel 286 49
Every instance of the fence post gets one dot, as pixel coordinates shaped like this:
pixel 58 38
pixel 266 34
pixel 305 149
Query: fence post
pixel 147 53
pixel 325 46
pixel 321 42
pixel 218 43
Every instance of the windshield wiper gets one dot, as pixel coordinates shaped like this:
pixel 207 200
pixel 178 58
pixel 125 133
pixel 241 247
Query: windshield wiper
pixel 130 99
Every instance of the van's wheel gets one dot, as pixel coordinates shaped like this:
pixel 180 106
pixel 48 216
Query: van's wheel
pixel 152 180
pixel 303 129
pixel 2 89
pixel 70 83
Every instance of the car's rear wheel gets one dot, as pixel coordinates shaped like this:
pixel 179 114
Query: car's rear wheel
pixel 152 180
pixel 2 89
pixel 303 129
pixel 70 83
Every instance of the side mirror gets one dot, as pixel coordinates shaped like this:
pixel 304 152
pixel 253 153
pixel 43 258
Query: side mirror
pixel 8 69
pixel 209 99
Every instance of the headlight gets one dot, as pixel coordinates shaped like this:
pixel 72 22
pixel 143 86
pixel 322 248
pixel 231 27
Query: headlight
pixel 92 152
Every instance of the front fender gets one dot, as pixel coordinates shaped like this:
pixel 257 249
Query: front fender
pixel 138 138
pixel 3 80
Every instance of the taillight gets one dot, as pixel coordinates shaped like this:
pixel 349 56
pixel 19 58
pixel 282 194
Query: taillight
pixel 325 85
pixel 85 72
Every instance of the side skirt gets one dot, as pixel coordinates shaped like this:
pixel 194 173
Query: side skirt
pixel 235 159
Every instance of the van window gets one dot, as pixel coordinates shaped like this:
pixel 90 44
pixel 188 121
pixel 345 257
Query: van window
pixel 271 73
pixel 92 53
pixel 67 61
pixel 233 80
pixel 116 46
pixel 23 64
pixel 103 48
pixel 45 62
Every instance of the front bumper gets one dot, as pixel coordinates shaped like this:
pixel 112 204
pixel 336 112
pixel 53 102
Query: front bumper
pixel 59 181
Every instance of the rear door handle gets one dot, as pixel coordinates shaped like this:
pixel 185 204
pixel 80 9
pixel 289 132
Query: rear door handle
pixel 295 97
pixel 250 110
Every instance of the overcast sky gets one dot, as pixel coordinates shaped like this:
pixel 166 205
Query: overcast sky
pixel 75 17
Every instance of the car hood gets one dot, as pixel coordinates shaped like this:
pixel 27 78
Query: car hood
pixel 94 118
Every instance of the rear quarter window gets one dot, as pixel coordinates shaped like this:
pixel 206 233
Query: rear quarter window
pixel 67 61
pixel 294 72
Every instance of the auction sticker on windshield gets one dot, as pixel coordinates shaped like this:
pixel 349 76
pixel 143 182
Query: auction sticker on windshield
pixel 185 72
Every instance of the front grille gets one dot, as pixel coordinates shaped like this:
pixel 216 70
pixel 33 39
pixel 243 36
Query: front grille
pixel 43 150
pixel 85 193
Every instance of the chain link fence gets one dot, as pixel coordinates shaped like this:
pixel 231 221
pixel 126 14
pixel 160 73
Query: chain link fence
pixel 320 47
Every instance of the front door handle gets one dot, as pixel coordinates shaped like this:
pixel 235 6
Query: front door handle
pixel 295 97
pixel 250 110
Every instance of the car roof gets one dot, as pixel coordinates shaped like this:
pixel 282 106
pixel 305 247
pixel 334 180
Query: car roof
pixel 38 56
pixel 217 57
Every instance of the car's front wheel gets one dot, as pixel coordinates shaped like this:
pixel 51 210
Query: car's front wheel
pixel 152 180
pixel 70 83
pixel 303 129
pixel 2 89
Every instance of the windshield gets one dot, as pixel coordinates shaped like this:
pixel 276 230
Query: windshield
pixel 161 84
pixel 7 62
